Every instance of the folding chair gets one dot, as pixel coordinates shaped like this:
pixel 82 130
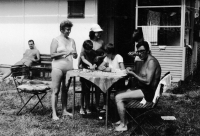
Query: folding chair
pixel 33 87
pixel 144 108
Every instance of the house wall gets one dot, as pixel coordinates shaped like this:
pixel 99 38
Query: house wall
pixel 170 59
pixel 22 20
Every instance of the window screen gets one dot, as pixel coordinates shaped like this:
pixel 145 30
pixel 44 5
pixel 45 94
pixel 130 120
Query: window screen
pixel 76 9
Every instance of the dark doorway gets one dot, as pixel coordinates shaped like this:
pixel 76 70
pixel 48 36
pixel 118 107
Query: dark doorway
pixel 117 18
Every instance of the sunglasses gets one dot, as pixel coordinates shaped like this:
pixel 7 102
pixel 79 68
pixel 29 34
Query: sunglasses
pixel 140 51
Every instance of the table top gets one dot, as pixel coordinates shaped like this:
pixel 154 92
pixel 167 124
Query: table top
pixel 104 80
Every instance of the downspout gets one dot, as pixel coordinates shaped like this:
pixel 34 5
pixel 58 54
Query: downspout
pixel 23 25
pixel 136 19
pixel 182 39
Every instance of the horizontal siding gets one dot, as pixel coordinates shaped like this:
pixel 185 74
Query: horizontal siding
pixel 170 60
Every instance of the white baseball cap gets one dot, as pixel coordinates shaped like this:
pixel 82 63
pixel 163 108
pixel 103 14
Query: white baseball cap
pixel 96 28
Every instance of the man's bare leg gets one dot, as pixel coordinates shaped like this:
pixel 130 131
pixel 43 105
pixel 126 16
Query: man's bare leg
pixel 121 108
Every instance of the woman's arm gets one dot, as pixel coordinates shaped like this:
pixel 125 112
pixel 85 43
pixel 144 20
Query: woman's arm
pixel 53 50
pixel 75 55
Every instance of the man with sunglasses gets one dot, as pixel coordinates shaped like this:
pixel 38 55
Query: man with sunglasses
pixel 31 55
pixel 147 80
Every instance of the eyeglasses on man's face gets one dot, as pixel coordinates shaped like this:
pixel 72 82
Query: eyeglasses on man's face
pixel 140 51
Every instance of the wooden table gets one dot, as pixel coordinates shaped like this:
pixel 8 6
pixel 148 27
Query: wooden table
pixel 104 80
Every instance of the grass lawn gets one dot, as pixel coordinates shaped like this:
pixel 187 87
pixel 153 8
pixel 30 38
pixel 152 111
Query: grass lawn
pixel 38 123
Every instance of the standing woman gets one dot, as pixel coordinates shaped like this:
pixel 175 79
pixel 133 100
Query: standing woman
pixel 63 50
pixel 95 37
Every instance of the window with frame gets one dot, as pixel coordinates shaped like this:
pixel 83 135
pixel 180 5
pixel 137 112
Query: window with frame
pixel 160 21
pixel 76 9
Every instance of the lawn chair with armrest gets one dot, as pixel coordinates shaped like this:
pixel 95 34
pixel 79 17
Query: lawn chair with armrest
pixel 33 87
pixel 144 108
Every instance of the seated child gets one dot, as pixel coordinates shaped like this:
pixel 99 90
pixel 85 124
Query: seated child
pixel 112 63
pixel 87 57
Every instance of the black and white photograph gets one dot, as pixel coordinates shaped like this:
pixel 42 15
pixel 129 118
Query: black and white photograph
pixel 99 67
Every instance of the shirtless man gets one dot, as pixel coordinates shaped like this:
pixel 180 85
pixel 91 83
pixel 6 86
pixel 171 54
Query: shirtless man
pixel 148 79
pixel 31 55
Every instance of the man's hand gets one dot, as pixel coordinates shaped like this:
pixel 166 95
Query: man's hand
pixel 129 70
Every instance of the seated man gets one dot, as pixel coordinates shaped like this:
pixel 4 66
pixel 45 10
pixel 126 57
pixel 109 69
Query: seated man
pixel 31 55
pixel 148 79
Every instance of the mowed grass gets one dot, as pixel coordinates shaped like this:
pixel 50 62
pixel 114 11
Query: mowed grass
pixel 39 123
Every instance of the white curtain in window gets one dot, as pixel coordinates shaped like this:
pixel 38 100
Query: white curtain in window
pixel 150 34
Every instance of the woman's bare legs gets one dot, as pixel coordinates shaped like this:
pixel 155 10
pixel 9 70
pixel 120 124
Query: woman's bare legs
pixel 64 98
pixel 119 98
pixel 56 75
